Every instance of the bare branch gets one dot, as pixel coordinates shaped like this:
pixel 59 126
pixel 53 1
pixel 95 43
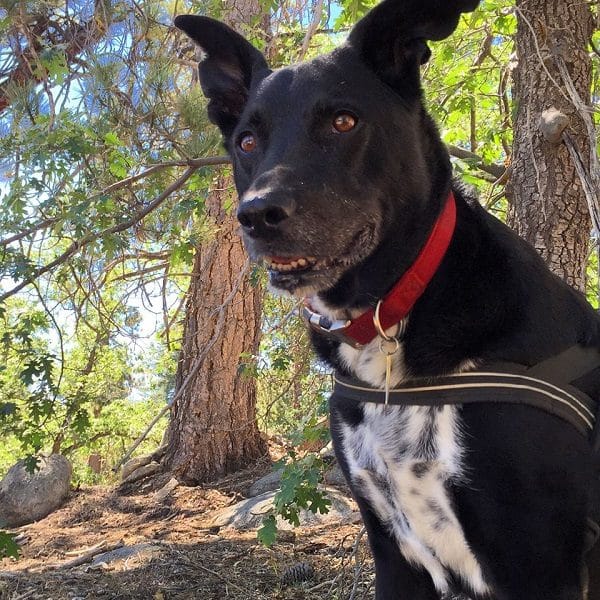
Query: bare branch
pixel 495 170
pixel 23 234
pixel 312 28
pixel 192 162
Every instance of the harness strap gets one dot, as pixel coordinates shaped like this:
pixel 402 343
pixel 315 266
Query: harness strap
pixel 563 368
pixel 546 385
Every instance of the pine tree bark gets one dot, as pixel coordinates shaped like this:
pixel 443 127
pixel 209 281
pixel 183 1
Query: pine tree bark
pixel 213 429
pixel 548 206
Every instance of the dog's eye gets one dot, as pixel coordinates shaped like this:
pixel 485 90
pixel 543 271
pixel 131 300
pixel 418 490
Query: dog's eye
pixel 344 122
pixel 247 143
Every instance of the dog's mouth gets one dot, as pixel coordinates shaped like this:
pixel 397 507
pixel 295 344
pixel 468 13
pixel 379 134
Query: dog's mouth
pixel 292 264
pixel 290 272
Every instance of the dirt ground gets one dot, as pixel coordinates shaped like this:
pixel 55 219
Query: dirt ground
pixel 178 555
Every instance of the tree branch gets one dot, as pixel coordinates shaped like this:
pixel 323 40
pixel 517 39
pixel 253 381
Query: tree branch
pixel 77 39
pixel 192 162
pixel 92 237
pixel 23 234
pixel 312 28
pixel 496 170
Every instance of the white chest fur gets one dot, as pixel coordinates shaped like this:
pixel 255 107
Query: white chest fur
pixel 402 460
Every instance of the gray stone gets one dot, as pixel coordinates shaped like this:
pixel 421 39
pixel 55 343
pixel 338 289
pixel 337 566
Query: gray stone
pixel 268 483
pixel 327 453
pixel 27 497
pixel 334 476
pixel 142 551
pixel 249 514
pixel 166 490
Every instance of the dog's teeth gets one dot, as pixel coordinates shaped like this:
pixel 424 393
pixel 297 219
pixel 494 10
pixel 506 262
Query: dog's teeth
pixel 302 262
pixel 294 264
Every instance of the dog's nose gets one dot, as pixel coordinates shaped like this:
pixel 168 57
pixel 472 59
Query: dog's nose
pixel 261 216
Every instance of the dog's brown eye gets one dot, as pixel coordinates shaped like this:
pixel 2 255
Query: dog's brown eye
pixel 344 122
pixel 248 143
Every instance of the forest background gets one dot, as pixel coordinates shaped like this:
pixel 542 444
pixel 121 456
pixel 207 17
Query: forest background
pixel 120 271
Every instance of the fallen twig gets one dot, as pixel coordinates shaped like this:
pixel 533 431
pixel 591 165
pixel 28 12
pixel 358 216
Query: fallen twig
pixel 82 559
pixel 81 551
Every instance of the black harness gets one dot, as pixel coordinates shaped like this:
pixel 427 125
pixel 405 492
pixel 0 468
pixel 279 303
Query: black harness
pixel 550 385
pixel 553 385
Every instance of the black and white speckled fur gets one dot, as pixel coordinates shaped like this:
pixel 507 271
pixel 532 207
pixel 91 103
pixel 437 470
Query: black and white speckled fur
pixel 488 500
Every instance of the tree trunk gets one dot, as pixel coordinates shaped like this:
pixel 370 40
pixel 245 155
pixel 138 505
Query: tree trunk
pixel 213 429
pixel 548 205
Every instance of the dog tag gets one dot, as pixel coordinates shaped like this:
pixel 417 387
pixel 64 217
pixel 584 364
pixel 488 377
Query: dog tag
pixel 389 347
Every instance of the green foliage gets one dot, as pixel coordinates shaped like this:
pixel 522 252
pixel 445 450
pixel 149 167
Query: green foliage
pixel 299 481
pixel 267 534
pixel 299 412
pixel 8 547
pixel 352 10
pixel 468 89
pixel 87 143
pixel 299 490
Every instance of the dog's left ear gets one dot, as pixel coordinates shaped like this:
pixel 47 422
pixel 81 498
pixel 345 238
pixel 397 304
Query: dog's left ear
pixel 229 66
pixel 392 37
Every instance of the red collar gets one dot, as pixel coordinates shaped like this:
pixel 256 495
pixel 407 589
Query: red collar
pixel 403 296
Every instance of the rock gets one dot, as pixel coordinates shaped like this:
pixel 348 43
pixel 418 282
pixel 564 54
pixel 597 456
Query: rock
pixel 268 483
pixel 133 465
pixel 166 490
pixel 334 476
pixel 249 514
pixel 327 453
pixel 26 497
pixel 140 552
pixel 145 471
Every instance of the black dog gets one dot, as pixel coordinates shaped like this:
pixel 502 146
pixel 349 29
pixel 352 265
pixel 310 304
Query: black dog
pixel 345 190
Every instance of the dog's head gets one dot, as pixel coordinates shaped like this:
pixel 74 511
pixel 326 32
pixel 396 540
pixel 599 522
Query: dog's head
pixel 334 159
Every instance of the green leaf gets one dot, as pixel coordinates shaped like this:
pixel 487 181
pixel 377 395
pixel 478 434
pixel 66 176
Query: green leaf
pixel 267 534
pixel 112 139
pixel 319 503
pixel 8 546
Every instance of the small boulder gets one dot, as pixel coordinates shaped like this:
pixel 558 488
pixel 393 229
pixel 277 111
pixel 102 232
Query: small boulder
pixel 335 476
pixel 249 514
pixel 28 497
pixel 166 490
pixel 268 483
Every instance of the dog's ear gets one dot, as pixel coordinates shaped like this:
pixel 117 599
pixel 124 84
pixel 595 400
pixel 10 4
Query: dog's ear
pixel 392 37
pixel 228 67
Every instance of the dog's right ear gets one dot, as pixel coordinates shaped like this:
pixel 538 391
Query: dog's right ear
pixel 227 69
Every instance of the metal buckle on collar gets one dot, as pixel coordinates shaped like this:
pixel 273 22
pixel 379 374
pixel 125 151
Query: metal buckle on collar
pixel 333 329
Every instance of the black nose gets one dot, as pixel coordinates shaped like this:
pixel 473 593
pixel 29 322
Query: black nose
pixel 262 216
